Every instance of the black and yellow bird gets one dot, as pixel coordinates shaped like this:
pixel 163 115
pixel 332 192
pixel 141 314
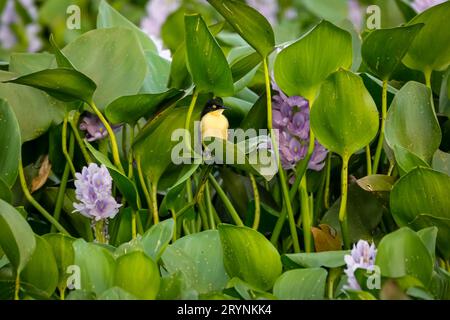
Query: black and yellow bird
pixel 213 123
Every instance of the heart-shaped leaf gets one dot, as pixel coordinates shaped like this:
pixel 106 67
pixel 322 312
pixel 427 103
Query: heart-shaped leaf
pixel 249 256
pixel 249 23
pixel 301 284
pixel 207 63
pixel 420 199
pixel 17 240
pixel 9 144
pixel 137 274
pixel 42 271
pixel 113 59
pixel 130 109
pixel 402 253
pixel 157 238
pixel 407 160
pixel 301 68
pixel 344 116
pixel 108 17
pixel 441 162
pixel 96 265
pixel 63 84
pixel 384 49
pixel 411 122
pixel 430 49
pixel 158 73
pixel 199 258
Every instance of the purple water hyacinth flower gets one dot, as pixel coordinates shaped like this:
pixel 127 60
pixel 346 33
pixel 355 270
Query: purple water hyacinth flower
pixel 291 118
pixel 355 14
pixel 362 257
pixel 93 190
pixel 95 129
pixel 422 5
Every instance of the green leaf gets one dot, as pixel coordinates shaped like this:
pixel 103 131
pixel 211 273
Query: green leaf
pixel 42 271
pixel 420 199
pixel 207 63
pixel 108 17
pixel 376 183
pixel 430 49
pixel 113 59
pixel 384 49
pixel 301 284
pixel 25 63
pixel 130 109
pixel 158 73
pixel 61 59
pixel 243 66
pixel 199 258
pixel 126 187
pixel 407 160
pixel 154 146
pixel 249 23
pixel 179 77
pixel 96 265
pixel 428 237
pixel 412 123
pixel 402 253
pixel 62 248
pixel 328 259
pixel 17 240
pixel 301 68
pixel 34 109
pixel 157 238
pixel 9 144
pixel 5 192
pixel 344 117
pixel 137 274
pixel 249 256
pixel 441 162
pixel 63 84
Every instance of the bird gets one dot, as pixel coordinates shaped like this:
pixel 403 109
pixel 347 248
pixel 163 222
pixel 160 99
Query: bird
pixel 213 122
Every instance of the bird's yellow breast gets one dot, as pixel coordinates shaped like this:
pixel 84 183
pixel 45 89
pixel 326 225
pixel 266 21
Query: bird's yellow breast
pixel 214 124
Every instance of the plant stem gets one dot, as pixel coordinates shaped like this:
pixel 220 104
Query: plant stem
pixel 257 202
pixel 203 216
pixel 64 147
pixel 99 228
pixel 17 287
pixel 130 153
pixel 35 204
pixel 368 160
pixel 73 120
pixel 234 215
pixel 112 137
pixel 327 182
pixel 144 185
pixel 187 123
pixel 306 215
pixel 124 141
pixel 209 208
pixel 63 184
pixel 184 209
pixel 283 182
pixel 343 207
pixel 133 224
pixel 427 75
pixel 155 202
pixel 377 157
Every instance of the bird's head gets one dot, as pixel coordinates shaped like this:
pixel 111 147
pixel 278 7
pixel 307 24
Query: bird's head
pixel 213 105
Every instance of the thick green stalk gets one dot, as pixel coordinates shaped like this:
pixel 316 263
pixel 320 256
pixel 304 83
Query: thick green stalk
pixel 35 204
pixel 203 215
pixel 64 147
pixel 63 185
pixel 257 202
pixel 100 236
pixel 343 207
pixel 130 153
pixel 17 287
pixel 187 123
pixel 376 160
pixel 112 137
pixel 282 174
pixel 368 160
pixel 155 202
pixel 73 120
pixel 133 225
pixel 209 208
pixel 306 215
pixel 144 186
pixel 427 75
pixel 233 213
